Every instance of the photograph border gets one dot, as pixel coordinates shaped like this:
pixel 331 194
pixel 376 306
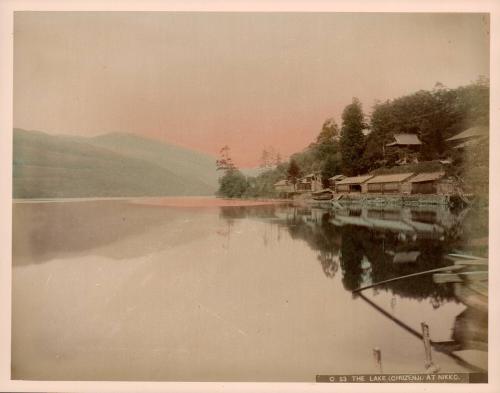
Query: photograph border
pixel 8 7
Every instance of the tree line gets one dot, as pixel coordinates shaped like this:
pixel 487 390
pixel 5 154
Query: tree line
pixel 359 145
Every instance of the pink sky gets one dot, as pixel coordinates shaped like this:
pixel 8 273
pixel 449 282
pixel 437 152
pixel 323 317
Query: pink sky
pixel 250 80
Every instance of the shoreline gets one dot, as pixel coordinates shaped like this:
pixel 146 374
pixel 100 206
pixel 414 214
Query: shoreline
pixel 174 201
pixel 363 199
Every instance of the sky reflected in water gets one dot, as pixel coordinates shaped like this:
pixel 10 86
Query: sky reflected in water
pixel 142 290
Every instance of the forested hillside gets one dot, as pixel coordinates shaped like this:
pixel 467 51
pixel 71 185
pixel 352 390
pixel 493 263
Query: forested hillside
pixel 47 166
pixel 359 144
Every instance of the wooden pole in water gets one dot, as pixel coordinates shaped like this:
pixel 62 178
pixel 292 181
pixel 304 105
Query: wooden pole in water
pixel 377 354
pixel 427 345
pixel 429 364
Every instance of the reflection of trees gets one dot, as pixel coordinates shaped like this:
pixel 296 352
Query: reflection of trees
pixel 380 248
pixel 352 255
pixel 238 212
pixel 431 256
pixel 354 247
pixel 232 213
pixel 328 263
pixel 362 253
pixel 321 236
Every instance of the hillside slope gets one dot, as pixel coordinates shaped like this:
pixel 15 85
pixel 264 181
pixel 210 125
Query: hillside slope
pixel 46 166
pixel 183 162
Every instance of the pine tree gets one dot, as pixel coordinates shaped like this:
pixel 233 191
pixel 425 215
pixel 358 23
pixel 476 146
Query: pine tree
pixel 293 172
pixel 352 139
pixel 225 162
pixel 329 132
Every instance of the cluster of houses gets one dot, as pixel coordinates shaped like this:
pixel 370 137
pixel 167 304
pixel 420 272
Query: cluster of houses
pixel 397 183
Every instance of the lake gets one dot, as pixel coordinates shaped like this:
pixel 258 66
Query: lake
pixel 189 289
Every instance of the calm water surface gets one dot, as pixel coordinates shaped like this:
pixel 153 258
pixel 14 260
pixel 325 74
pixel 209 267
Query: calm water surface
pixel 170 289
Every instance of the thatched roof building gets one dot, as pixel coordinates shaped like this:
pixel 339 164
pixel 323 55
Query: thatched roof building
pixel 392 183
pixel 405 140
pixel 469 137
pixel 353 184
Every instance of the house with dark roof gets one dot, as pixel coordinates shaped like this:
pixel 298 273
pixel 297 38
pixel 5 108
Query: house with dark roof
pixel 389 184
pixel 405 140
pixel 284 187
pixel 332 181
pixel 354 184
pixel 407 146
pixel 470 137
pixel 431 183
pixel 309 183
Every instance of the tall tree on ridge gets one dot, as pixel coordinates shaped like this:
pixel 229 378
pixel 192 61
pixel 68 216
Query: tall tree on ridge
pixel 293 172
pixel 352 139
pixel 329 132
pixel 225 162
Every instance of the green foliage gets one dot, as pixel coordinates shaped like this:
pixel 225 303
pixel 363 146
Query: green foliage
pixel 475 170
pixel 323 156
pixel 433 115
pixel 352 140
pixel 233 184
pixel 330 168
pixel 293 171
pixel 420 167
pixel 263 184
pixel 225 162
pixel 112 165
pixel 329 132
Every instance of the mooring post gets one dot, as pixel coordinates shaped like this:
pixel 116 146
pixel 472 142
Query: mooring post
pixel 427 344
pixel 377 354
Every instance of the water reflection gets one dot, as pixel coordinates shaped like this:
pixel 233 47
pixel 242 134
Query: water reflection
pixel 374 244
pixel 241 283
pixel 370 245
pixel 116 229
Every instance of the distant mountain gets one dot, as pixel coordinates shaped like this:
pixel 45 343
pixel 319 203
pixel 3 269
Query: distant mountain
pixel 48 166
pixel 183 162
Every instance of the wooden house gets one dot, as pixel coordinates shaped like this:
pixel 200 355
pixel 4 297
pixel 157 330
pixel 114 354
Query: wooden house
pixel 390 184
pixel 355 184
pixel 309 183
pixel 284 187
pixel 407 146
pixel 332 181
pixel 431 183
pixel 470 137
pixel 405 140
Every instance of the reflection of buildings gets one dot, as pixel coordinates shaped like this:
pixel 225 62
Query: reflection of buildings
pixel 375 244
pixel 329 262
pixel 428 222
pixel 366 272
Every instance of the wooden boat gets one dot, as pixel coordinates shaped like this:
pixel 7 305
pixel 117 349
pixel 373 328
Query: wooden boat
pixel 322 195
